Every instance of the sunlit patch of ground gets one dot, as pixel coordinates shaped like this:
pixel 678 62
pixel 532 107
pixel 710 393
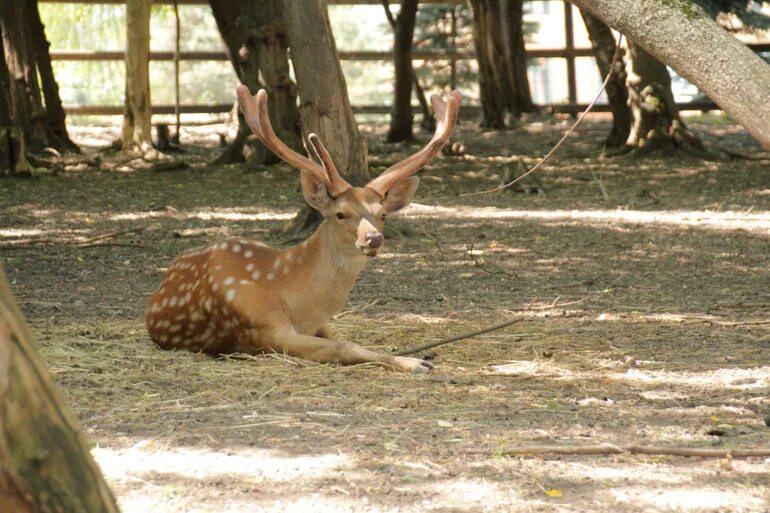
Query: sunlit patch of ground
pixel 645 321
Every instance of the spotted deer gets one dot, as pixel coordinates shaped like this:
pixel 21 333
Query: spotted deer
pixel 243 296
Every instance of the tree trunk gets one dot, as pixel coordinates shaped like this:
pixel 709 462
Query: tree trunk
pixel 45 464
pixel 27 106
pixel 255 36
pixel 137 118
pixel 683 36
pixel 498 38
pixel 324 103
pixel 54 110
pixel 401 116
pixel 13 160
pixel 604 44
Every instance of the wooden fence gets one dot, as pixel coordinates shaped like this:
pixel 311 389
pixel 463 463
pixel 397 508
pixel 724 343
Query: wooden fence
pixel 569 53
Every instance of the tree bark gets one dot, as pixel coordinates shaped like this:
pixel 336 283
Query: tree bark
pixel 683 36
pixel 45 464
pixel 401 116
pixel 54 110
pixel 255 36
pixel 498 37
pixel 603 42
pixel 137 118
pixel 324 103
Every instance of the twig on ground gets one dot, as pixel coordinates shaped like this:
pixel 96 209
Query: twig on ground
pixel 481 266
pixel 109 235
pixel 608 449
pixel 456 338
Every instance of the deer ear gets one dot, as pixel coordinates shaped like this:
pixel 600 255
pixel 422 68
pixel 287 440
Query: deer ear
pixel 401 194
pixel 315 192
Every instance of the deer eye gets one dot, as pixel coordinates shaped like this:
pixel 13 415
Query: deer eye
pixel 382 216
pixel 340 216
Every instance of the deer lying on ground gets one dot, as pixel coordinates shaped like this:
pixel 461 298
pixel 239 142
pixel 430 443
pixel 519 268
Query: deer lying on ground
pixel 242 296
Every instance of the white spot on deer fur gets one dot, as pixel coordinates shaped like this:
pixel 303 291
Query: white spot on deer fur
pixel 163 338
pixel 270 276
pixel 230 294
pixel 164 303
pixel 187 297
pixel 195 315
pixel 172 301
pixel 250 267
pixel 223 245
pixel 244 282
pixel 207 304
pixel 285 271
pixel 180 317
pixel 211 279
pixel 289 256
pixel 218 267
pixel 176 339
pixel 236 248
pixel 215 287
pixel 229 281
pixel 277 263
pixel 255 275
pixel 174 328
pixel 249 253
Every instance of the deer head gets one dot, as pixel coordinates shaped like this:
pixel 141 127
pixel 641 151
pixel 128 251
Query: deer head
pixel 356 214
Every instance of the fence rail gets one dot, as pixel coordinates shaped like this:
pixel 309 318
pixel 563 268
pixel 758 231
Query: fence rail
pixel 569 53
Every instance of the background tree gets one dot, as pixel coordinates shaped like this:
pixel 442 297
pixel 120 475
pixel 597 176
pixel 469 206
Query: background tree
pixel 401 116
pixel 498 35
pixel 683 36
pixel 324 104
pixel 137 117
pixel 604 42
pixel 26 81
pixel 45 463
pixel 255 36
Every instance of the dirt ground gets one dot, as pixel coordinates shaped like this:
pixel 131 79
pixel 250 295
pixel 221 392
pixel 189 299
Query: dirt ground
pixel 644 287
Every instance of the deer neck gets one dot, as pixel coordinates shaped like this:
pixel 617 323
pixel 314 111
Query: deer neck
pixel 329 264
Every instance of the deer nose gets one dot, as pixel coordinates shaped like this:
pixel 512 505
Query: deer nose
pixel 374 239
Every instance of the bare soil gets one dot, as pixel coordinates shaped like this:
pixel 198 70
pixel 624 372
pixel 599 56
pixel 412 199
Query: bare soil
pixel 645 287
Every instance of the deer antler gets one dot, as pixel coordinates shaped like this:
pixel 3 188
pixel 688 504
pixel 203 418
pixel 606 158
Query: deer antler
pixel 255 111
pixel 446 117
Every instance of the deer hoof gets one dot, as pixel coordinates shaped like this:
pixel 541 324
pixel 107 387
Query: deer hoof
pixel 413 364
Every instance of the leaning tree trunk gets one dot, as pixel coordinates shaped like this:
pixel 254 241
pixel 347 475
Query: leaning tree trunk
pixel 324 103
pixel 255 37
pixel 45 464
pixel 137 118
pixel 683 36
pixel 604 43
pixel 401 116
pixel 498 38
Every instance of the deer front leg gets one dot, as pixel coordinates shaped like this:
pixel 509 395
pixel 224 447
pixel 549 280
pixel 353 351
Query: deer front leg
pixel 322 350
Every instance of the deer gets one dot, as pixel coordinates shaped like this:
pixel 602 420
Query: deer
pixel 242 296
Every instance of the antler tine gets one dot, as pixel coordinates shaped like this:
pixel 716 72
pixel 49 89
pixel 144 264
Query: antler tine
pixel 255 111
pixel 337 184
pixel 446 117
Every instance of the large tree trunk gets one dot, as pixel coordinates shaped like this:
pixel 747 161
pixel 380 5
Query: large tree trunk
pixel 255 36
pixel 324 103
pixel 45 465
pixel 683 36
pixel 604 44
pixel 25 123
pixel 655 122
pixel 498 37
pixel 13 160
pixel 137 118
pixel 54 110
pixel 401 116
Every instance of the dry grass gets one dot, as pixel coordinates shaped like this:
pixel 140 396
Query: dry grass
pixel 636 281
